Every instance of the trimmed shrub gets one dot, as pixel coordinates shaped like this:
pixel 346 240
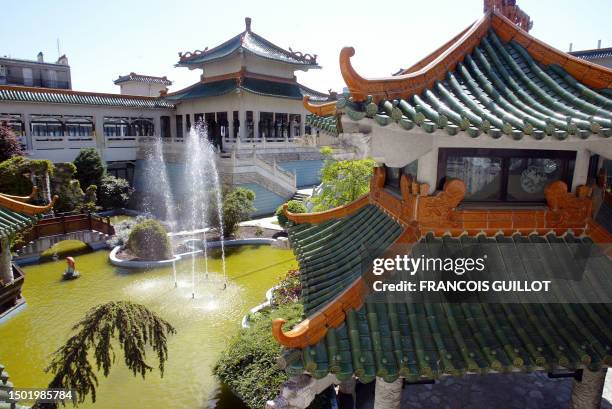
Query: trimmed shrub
pixel 114 192
pixel 13 179
pixel 149 240
pixel 294 206
pixel 89 167
pixel 237 207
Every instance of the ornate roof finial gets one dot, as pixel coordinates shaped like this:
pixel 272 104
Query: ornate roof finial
pixel 247 23
pixel 510 10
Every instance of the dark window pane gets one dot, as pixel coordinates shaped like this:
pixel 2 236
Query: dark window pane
pixel 527 177
pixel 482 176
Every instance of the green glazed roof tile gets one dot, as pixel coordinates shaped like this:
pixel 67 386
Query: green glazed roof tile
pixel 429 340
pixel 500 89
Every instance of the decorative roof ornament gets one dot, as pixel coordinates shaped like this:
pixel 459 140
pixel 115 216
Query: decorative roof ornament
pixel 511 11
pixel 304 57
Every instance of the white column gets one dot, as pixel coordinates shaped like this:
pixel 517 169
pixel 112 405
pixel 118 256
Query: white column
pixel 388 395
pixel 427 169
pixel 243 125
pixel 27 131
pixel 581 168
pixel 100 139
pixel 256 119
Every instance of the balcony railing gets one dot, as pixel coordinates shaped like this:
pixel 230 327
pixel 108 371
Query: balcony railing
pixel 34 82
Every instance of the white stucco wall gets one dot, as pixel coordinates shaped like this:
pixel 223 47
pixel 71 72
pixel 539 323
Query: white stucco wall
pixel 65 150
pixel 142 89
pixel 397 147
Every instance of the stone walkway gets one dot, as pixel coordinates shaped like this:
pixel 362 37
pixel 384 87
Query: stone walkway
pixel 495 391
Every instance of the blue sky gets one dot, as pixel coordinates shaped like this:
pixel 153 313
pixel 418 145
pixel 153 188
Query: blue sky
pixel 104 39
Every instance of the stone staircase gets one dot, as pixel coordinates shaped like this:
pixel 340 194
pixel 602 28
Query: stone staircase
pixel 300 197
pixel 6 386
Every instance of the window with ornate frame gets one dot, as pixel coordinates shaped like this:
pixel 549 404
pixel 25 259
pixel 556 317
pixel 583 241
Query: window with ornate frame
pixel 516 176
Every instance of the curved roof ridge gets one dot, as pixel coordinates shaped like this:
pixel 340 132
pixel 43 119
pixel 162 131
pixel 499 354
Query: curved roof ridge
pixel 15 204
pixel 434 68
pixel 413 82
pixel 324 109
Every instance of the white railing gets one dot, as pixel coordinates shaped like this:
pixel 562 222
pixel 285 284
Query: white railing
pixel 272 171
pixel 62 142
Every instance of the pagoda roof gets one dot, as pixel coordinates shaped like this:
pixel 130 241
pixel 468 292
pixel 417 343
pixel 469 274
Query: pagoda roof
pixel 492 78
pixel 61 96
pixel 348 332
pixel 254 83
pixel 249 42
pixel 16 214
pixel 148 79
pixel 593 53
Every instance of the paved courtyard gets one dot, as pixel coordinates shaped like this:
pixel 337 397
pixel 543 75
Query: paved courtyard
pixel 496 391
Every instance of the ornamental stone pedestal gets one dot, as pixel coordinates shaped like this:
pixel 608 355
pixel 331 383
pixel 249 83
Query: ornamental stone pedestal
pixel 299 391
pixel 388 395
pixel 6 271
pixel 586 394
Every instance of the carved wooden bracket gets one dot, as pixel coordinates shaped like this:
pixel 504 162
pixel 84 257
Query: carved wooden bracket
pixel 565 208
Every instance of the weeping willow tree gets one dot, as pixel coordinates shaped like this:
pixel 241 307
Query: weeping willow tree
pixel 133 326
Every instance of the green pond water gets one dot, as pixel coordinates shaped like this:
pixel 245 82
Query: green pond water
pixel 204 324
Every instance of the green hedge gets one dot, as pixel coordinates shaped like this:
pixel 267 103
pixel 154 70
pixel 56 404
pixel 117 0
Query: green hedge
pixel 248 364
pixel 149 240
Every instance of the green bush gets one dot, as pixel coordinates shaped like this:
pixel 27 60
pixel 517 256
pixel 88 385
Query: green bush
pixel 237 207
pixel 68 189
pixel 114 192
pixel 248 365
pixel 149 240
pixel 89 166
pixel 13 179
pixel 294 206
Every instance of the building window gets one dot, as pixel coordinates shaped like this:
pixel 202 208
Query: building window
pixel 236 119
pixel 223 125
pixel 394 175
pixel 281 126
pixel 179 126
pixel 13 121
pixel 250 125
pixel 164 122
pixel 116 127
pixel 28 78
pixel 505 175
pixel 123 170
pixel 46 125
pixel 52 75
pixel 79 126
pixel 142 127
pixel 295 125
pixel 198 119
pixel 266 125
pixel 188 122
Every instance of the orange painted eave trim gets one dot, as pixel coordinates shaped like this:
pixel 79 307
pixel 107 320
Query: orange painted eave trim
pixel 325 109
pixel 413 82
pixel 25 208
pixel 335 213
pixel 22 198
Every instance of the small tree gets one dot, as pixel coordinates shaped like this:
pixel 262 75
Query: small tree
pixel 114 192
pixel 68 189
pixel 149 240
pixel 89 166
pixel 342 181
pixel 13 179
pixel 237 207
pixel 9 144
pixel 133 326
pixel 294 206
